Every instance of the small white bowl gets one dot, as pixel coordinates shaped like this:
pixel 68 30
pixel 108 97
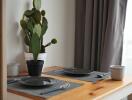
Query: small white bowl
pixel 117 72
pixel 13 69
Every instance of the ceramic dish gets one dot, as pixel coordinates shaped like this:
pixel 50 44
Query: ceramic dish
pixel 75 71
pixel 37 81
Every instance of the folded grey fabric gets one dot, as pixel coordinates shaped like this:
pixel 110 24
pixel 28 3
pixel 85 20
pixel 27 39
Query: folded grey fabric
pixel 35 91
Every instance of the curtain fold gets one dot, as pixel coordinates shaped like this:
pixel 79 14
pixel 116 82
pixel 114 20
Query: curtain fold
pixel 99 33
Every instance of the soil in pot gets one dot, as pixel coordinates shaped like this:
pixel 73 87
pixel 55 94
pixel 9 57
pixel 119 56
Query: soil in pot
pixel 35 67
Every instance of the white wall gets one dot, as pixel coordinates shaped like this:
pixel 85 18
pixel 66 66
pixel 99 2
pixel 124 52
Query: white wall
pixel 61 18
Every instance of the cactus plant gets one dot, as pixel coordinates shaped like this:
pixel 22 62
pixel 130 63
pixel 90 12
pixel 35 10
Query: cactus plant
pixel 34 25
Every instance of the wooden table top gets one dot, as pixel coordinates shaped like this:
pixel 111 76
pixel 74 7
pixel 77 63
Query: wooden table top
pixel 88 91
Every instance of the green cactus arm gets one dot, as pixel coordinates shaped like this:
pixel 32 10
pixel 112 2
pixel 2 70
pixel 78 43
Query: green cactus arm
pixel 35 46
pixel 37 4
pixel 53 41
pixel 28 13
pixel 23 24
pixel 37 30
pixel 30 26
pixel 27 37
pixel 43 13
pixel 37 16
pixel 42 49
pixel 23 17
pixel 48 44
pixel 27 40
pixel 44 26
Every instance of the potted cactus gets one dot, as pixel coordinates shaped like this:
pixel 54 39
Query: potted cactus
pixel 34 26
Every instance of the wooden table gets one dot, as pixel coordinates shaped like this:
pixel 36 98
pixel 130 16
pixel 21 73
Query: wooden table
pixel 102 90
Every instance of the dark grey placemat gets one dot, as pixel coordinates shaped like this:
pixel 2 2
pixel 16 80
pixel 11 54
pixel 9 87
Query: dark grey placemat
pixel 91 77
pixel 35 91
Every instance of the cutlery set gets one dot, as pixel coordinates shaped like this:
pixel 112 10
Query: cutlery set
pixel 13 80
pixel 57 88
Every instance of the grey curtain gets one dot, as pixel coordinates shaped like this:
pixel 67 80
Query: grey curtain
pixel 99 33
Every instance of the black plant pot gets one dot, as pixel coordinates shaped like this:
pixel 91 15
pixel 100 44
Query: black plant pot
pixel 35 67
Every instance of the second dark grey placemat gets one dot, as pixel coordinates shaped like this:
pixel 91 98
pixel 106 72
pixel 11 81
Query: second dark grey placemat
pixel 92 77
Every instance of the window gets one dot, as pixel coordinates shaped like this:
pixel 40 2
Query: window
pixel 127 49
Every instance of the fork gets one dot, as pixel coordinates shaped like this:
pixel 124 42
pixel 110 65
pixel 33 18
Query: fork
pixel 13 80
pixel 61 87
pixel 16 79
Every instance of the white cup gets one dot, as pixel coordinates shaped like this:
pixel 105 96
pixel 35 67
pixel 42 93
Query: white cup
pixel 13 69
pixel 117 72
